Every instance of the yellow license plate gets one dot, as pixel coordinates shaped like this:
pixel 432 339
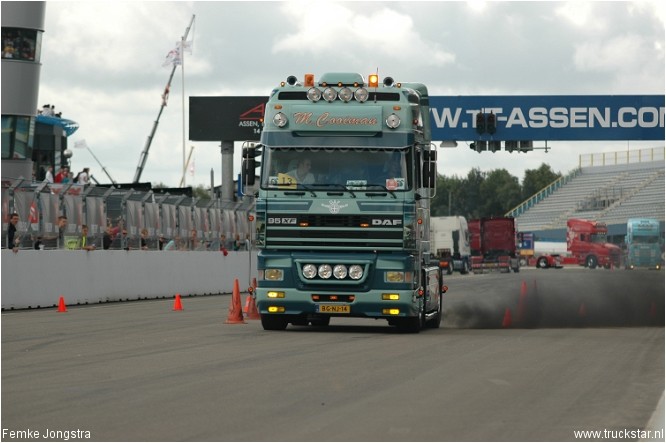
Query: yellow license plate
pixel 333 309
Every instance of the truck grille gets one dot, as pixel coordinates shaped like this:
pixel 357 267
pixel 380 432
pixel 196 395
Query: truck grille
pixel 326 231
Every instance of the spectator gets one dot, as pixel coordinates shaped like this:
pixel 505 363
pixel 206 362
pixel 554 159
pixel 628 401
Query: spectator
pixel 12 239
pixel 144 239
pixel 107 239
pixel 83 177
pixel 85 242
pixel 172 245
pixel 193 242
pixel 161 242
pixel 223 245
pixel 124 241
pixel 62 228
pixel 69 178
pixel 238 244
pixel 62 174
pixel 49 174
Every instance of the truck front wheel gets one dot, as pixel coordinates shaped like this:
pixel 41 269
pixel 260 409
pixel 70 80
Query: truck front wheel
pixel 591 262
pixel 274 322
pixel 542 263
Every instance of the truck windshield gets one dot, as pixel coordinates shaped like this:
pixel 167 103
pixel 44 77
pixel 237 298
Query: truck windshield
pixel 598 238
pixel 336 168
pixel 646 239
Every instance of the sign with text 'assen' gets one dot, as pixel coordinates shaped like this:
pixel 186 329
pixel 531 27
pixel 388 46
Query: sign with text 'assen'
pixel 566 117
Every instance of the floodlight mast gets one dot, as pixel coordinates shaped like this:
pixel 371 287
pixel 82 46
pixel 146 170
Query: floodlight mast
pixel 144 153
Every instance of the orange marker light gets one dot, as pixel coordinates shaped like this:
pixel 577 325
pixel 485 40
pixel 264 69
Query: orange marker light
pixel 309 80
pixel 373 80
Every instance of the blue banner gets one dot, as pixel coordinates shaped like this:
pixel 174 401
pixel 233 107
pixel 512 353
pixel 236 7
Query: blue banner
pixel 566 117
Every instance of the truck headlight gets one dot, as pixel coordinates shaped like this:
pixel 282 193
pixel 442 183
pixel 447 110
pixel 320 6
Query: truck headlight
pixel 393 121
pixel 330 94
pixel 340 271
pixel 355 272
pixel 280 120
pixel 273 274
pixel 361 95
pixel 345 94
pixel 309 271
pixel 394 276
pixel 314 94
pixel 325 271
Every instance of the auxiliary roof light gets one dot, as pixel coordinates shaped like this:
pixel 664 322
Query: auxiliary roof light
pixel 314 94
pixel 373 80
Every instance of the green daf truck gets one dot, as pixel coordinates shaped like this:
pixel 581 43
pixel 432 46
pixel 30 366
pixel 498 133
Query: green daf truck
pixel 342 204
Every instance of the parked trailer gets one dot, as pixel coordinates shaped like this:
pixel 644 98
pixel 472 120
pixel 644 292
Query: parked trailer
pixel 493 245
pixel 449 238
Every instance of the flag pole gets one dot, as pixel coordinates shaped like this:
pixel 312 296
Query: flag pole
pixel 182 66
pixel 165 96
pixel 182 71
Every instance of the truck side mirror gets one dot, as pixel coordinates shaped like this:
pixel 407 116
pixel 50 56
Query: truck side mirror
pixel 249 164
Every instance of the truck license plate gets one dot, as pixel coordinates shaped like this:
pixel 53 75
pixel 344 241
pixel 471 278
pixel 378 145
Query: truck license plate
pixel 333 309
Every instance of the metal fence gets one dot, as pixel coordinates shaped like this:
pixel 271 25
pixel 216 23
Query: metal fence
pixel 177 217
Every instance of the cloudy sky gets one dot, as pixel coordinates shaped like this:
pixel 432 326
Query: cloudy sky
pixel 102 66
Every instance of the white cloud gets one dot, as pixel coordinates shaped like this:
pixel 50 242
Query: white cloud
pixel 339 30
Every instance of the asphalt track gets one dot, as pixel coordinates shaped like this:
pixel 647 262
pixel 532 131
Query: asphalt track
pixel 534 356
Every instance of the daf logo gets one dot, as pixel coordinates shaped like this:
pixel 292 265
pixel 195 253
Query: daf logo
pixel 334 206
pixel 386 222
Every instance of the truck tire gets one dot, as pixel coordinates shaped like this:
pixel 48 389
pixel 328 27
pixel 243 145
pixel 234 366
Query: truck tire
pixel 542 263
pixel 411 325
pixel 274 322
pixel 591 262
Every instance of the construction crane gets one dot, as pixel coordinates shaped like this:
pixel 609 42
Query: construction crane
pixel 144 153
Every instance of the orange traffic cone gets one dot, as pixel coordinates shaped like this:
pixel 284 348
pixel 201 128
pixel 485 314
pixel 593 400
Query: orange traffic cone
pixel 61 305
pixel 235 309
pixel 506 322
pixel 177 305
pixel 252 311
pixel 246 306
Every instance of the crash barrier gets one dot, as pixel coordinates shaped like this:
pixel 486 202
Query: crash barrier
pixel 39 205
pixel 37 279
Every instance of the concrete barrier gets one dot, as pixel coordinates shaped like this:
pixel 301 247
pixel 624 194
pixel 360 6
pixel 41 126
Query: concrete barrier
pixel 32 279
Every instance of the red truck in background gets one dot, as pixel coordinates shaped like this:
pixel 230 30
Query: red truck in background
pixel 587 243
pixel 493 244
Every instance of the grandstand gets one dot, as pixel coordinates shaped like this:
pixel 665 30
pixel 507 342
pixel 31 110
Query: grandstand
pixel 612 189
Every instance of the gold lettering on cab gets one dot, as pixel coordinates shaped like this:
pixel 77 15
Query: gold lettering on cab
pixel 325 119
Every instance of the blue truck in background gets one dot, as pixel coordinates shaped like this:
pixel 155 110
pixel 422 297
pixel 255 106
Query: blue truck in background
pixel 644 245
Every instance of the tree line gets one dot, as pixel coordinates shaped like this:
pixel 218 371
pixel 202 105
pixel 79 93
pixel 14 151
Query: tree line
pixel 488 194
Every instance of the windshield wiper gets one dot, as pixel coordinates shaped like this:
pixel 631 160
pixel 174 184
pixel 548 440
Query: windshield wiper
pixel 383 187
pixel 343 187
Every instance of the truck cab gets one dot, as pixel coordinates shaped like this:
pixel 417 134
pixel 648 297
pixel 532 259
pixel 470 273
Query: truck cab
pixel 343 204
pixel 587 242
pixel 644 245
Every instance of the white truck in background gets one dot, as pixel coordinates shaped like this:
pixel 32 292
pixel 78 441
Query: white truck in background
pixel 449 242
